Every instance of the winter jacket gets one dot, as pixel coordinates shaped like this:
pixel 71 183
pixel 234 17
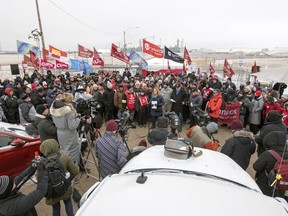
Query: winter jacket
pixel 199 136
pixel 50 97
pixel 240 147
pixel 49 148
pixel 10 107
pixel 45 127
pixel 179 98
pixel 166 94
pixel 37 100
pixel 156 104
pixel 118 100
pixel 255 110
pixel 27 111
pixel 214 105
pixel 274 140
pixel 111 153
pixel 195 100
pixel 24 205
pixel 246 103
pixel 67 122
pixel 108 97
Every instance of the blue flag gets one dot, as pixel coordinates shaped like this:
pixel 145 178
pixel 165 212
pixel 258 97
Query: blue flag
pixel 137 59
pixel 24 48
pixel 74 64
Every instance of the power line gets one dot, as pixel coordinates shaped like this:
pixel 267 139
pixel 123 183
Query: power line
pixel 80 21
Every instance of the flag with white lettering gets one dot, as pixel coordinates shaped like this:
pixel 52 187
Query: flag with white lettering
pixel 117 53
pixel 84 52
pixel 227 69
pixel 172 56
pixel 152 49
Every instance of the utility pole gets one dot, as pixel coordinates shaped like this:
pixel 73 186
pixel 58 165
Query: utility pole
pixel 40 24
pixel 124 34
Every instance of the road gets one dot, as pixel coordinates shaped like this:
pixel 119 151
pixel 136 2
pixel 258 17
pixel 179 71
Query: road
pixel 135 135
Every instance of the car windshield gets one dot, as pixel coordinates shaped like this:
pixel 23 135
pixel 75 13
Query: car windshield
pixel 16 131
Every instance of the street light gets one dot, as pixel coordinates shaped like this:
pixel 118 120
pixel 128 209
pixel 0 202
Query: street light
pixel 124 34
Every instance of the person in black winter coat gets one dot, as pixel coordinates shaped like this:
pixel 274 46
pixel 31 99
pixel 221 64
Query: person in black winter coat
pixel 241 146
pixel 38 98
pixel 274 140
pixel 12 202
pixel 10 106
pixel 108 97
pixel 273 123
pixel 179 96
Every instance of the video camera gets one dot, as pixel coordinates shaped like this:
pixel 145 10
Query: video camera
pixel 175 121
pixel 201 117
pixel 123 126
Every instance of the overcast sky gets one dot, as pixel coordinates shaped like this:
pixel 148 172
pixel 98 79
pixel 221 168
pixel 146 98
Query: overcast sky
pixel 204 23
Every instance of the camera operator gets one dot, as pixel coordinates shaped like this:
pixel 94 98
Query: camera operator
pixel 13 202
pixel 194 101
pixel 110 150
pixel 159 134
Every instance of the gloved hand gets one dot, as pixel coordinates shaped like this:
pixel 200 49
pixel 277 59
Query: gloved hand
pixel 41 165
pixel 209 110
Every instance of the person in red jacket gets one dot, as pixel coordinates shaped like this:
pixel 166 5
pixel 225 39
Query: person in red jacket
pixel 270 104
pixel 214 104
pixel 128 101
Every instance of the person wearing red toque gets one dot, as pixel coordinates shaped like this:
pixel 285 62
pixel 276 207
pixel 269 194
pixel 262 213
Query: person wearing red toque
pixel 240 146
pixel 110 150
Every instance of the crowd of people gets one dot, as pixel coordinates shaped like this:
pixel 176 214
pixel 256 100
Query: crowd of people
pixel 52 107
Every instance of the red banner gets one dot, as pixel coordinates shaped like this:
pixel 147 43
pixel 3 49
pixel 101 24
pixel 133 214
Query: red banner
pixel 27 61
pixel 231 113
pixel 117 53
pixel 56 53
pixel 187 56
pixel 47 65
pixel 84 52
pixel 61 65
pixel 152 49
pixel 97 60
pixel 46 54
pixel 34 59
pixel 227 69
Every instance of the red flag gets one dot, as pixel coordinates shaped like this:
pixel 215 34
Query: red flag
pixel 211 69
pixel 56 53
pixel 46 54
pixel 47 65
pixel 34 59
pixel 97 60
pixel 27 60
pixel 117 53
pixel 227 69
pixel 169 68
pixel 255 67
pixel 61 65
pixel 84 52
pixel 184 68
pixel 187 56
pixel 152 49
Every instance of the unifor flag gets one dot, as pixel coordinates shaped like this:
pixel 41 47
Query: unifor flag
pixel 152 49
pixel 84 52
pixel 61 65
pixel 173 56
pixel 46 54
pixel 227 69
pixel 187 56
pixel 211 69
pixel 97 60
pixel 184 68
pixel 34 59
pixel 117 53
pixel 136 59
pixel 27 60
pixel 24 48
pixel 47 65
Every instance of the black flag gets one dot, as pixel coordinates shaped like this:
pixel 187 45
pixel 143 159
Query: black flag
pixel 172 56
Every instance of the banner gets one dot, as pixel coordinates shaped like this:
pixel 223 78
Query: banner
pixel 24 48
pixel 117 53
pixel 34 59
pixel 152 49
pixel 46 54
pixel 74 64
pixel 187 56
pixel 85 67
pixel 84 52
pixel 231 113
pixel 27 61
pixel 97 60
pixel 61 65
pixel 137 59
pixel 227 69
pixel 47 65
pixel 56 53
pixel 211 69
pixel 172 56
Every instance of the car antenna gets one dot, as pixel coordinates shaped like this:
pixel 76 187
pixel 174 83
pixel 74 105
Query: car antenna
pixel 141 179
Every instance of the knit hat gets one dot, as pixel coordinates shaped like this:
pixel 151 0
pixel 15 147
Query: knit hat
pixel 40 90
pixel 143 143
pixel 111 125
pixel 258 93
pixel 273 115
pixel 24 96
pixel 40 109
pixel 44 83
pixel 80 88
pixel 212 127
pixel 162 122
pixel 6 185
pixel 236 125
pixel 58 104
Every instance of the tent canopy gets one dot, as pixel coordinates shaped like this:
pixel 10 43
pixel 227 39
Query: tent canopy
pixel 279 74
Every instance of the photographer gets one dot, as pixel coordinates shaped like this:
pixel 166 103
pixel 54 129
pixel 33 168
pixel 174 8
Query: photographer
pixel 110 150
pixel 158 136
pixel 12 202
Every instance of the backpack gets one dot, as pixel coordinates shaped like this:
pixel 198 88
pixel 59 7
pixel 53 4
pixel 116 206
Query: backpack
pixel 58 184
pixel 278 176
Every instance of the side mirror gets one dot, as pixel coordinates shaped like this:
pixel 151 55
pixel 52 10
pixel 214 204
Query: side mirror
pixel 18 142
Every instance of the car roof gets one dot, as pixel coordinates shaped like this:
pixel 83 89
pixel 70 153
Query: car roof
pixel 210 162
pixel 14 130
pixel 176 194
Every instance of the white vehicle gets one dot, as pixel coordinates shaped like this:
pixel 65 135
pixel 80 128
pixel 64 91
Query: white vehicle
pixel 153 184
